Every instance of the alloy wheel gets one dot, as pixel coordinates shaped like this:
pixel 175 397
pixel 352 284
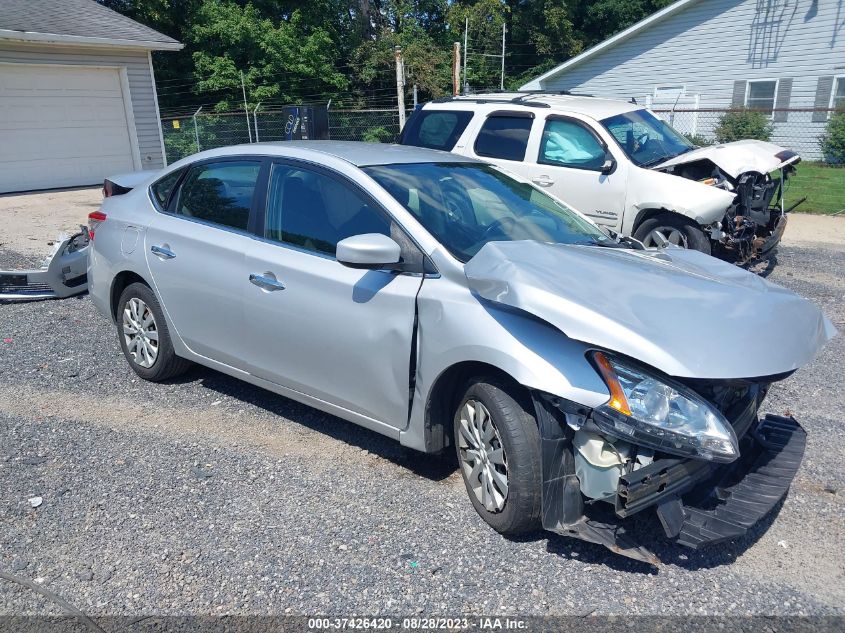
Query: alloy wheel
pixel 668 233
pixel 140 332
pixel 483 458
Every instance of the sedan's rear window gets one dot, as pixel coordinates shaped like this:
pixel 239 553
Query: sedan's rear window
pixel 436 129
pixel 163 187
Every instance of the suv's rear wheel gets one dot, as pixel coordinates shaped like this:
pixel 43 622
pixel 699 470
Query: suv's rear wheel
pixel 144 337
pixel 498 448
pixel 675 229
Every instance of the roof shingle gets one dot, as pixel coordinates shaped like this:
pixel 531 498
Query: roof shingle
pixel 76 19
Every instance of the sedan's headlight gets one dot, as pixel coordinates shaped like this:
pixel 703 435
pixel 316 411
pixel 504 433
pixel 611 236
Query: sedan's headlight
pixel 650 411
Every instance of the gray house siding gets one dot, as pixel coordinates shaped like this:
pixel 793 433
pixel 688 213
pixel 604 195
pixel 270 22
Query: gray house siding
pixel 711 45
pixel 139 75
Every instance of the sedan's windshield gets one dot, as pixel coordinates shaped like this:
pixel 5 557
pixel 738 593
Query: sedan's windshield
pixel 646 139
pixel 466 205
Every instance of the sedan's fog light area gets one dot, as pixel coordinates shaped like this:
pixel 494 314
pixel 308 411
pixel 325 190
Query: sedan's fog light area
pixel 650 411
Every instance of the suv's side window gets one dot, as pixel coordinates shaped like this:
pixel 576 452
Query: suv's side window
pixel 315 211
pixel 436 129
pixel 220 193
pixel 567 143
pixel 504 136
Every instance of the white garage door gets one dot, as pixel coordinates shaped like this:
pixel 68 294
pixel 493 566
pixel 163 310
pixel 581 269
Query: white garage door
pixel 61 126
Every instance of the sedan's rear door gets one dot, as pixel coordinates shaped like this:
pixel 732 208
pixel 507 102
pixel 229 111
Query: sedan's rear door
pixel 195 252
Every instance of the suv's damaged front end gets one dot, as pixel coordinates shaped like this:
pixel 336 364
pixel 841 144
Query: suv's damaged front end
pixel 677 427
pixel 756 173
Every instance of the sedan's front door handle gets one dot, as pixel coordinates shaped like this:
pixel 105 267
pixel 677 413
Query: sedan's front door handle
pixel 162 252
pixel 543 181
pixel 266 282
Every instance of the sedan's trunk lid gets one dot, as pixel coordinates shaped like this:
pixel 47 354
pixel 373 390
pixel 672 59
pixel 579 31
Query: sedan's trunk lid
pixel 683 312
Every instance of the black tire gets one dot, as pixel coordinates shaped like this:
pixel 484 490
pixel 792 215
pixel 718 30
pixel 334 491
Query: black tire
pixel 666 222
pixel 520 440
pixel 167 364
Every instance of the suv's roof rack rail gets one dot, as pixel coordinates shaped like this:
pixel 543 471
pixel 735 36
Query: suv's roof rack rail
pixel 521 99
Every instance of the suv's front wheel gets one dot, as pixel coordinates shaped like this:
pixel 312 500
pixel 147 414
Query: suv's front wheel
pixel 498 446
pixel 675 229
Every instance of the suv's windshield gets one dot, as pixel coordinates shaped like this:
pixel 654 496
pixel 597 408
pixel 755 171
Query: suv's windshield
pixel 646 139
pixel 466 205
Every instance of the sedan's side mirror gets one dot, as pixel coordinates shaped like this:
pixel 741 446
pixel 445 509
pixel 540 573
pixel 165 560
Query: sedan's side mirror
pixel 609 165
pixel 369 251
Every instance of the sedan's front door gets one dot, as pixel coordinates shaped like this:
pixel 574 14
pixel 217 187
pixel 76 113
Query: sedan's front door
pixel 195 252
pixel 338 334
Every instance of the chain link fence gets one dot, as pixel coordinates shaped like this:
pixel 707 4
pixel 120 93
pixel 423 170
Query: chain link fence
pixel 187 135
pixel 798 129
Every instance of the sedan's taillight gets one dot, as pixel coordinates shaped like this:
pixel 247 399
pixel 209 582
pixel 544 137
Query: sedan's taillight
pixel 95 219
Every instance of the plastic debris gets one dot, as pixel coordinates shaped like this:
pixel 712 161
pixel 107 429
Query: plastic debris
pixel 35 501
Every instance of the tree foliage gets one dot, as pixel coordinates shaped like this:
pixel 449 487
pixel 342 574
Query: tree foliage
pixel 293 51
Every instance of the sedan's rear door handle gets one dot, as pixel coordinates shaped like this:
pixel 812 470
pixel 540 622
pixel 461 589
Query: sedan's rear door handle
pixel 266 282
pixel 162 252
pixel 543 181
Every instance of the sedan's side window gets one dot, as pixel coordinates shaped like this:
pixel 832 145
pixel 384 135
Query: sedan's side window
pixel 569 144
pixel 220 193
pixel 315 211
pixel 504 136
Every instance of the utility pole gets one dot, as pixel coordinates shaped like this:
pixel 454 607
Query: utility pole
pixel 255 119
pixel 400 86
pixel 466 36
pixel 196 129
pixel 502 84
pixel 456 69
pixel 415 97
pixel 246 109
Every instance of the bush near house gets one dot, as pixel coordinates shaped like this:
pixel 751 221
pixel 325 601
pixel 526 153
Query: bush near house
pixel 743 124
pixel 833 140
pixel 699 141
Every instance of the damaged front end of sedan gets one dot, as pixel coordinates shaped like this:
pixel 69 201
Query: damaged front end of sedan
pixel 678 428
pixel 756 173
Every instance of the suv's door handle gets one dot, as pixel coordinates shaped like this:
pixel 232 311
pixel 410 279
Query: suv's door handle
pixel 162 252
pixel 266 282
pixel 543 181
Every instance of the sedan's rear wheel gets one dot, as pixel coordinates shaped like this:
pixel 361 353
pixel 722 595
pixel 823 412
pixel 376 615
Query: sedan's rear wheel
pixel 144 337
pixel 498 447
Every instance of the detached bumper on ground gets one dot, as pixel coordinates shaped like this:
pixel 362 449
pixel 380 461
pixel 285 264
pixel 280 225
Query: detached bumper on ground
pixel 64 275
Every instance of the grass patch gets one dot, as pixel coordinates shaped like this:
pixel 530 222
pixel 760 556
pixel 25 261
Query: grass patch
pixel 823 185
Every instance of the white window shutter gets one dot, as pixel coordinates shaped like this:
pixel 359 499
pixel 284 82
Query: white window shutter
pixel 738 100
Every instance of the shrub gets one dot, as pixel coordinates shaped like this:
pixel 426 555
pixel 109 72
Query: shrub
pixel 833 140
pixel 378 134
pixel 743 124
pixel 698 140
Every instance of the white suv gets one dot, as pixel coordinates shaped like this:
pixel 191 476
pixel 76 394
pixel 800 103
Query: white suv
pixel 622 166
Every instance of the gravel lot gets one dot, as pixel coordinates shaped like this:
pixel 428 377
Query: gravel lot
pixel 209 496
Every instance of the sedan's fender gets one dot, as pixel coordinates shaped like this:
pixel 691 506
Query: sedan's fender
pixel 652 190
pixel 461 329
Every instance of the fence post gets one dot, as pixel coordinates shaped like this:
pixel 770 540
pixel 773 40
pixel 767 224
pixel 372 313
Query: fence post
pixel 400 86
pixel 196 129
pixel 246 109
pixel 255 120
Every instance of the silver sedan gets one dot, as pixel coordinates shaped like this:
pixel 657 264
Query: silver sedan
pixel 576 377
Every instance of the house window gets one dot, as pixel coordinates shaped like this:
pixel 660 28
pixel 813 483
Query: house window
pixel 838 99
pixel 760 95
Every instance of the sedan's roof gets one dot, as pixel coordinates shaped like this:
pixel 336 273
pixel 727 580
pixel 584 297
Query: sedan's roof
pixel 360 153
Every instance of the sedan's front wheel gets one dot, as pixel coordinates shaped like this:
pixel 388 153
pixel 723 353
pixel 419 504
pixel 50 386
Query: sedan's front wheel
pixel 144 337
pixel 498 446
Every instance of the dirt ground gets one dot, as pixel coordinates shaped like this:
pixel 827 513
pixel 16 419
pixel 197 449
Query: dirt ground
pixel 32 221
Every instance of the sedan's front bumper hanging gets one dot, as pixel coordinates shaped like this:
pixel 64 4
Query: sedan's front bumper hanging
pixel 698 503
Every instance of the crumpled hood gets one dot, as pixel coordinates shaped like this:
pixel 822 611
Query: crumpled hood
pixel 683 312
pixel 736 158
